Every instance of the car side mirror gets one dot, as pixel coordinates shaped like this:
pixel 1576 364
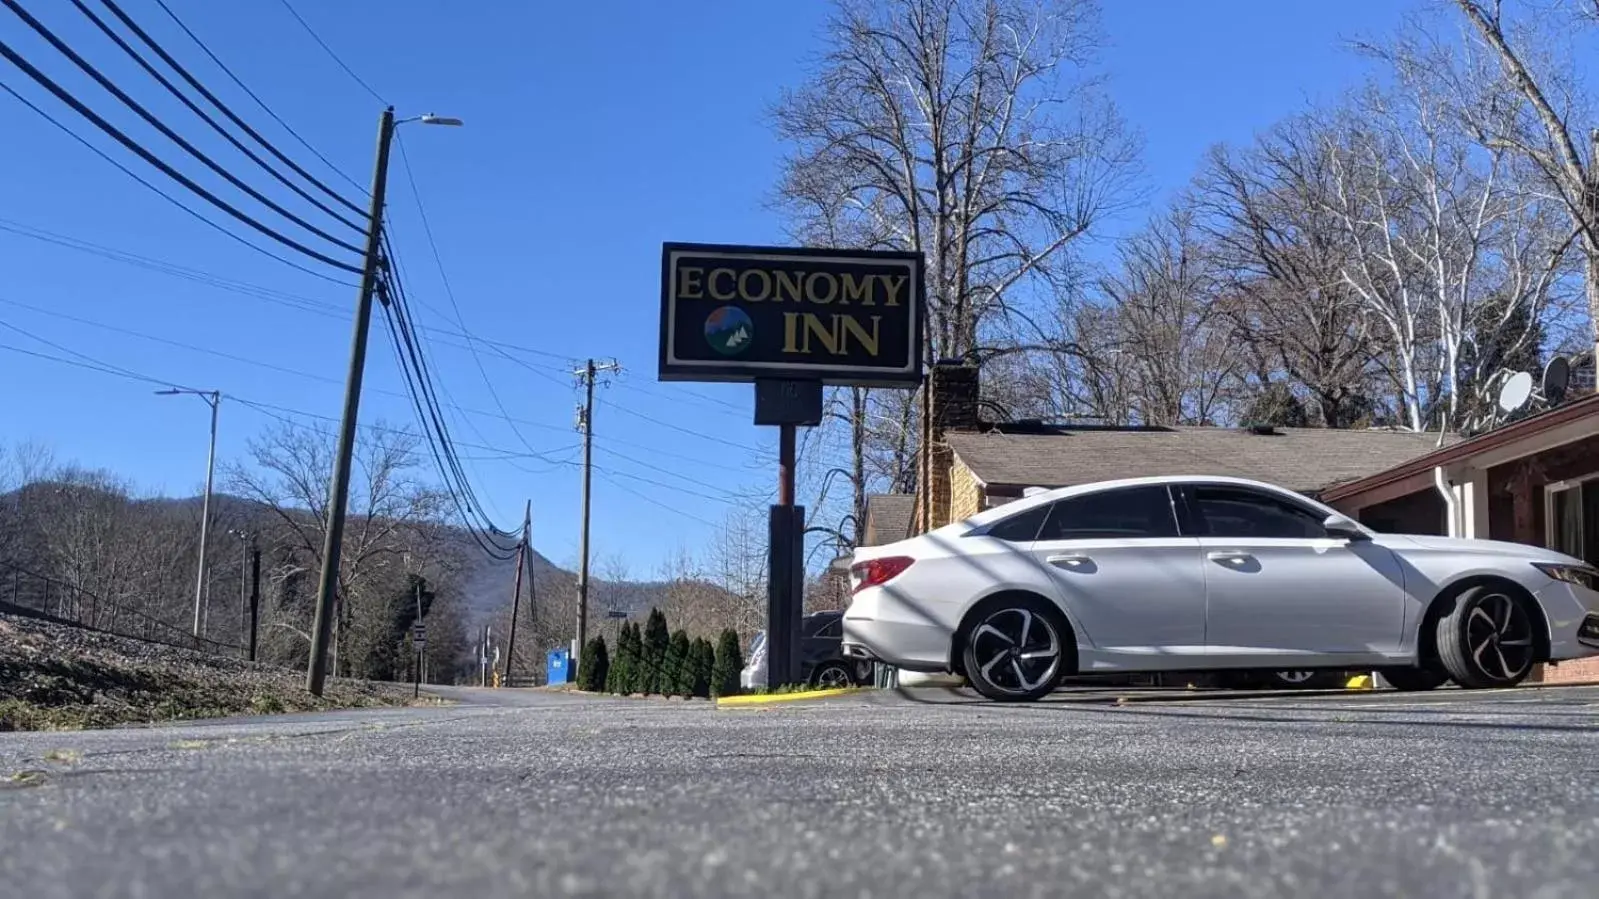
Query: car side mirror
pixel 1342 528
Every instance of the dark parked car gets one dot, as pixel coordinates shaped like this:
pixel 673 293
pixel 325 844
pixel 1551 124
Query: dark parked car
pixel 822 661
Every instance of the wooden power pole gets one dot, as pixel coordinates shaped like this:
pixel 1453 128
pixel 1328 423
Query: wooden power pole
pixel 585 423
pixel 516 590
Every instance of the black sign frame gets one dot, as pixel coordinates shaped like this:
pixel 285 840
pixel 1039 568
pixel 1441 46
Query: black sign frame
pixel 746 371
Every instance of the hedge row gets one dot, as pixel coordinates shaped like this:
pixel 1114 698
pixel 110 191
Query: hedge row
pixel 653 660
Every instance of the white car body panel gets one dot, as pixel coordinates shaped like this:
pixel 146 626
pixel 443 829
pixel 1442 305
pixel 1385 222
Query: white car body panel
pixel 1165 603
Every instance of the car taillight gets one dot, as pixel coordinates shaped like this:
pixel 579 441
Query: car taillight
pixel 878 571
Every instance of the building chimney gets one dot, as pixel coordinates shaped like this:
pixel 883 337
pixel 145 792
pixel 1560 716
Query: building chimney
pixel 953 389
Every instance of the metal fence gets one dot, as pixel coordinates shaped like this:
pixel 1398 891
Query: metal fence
pixel 33 594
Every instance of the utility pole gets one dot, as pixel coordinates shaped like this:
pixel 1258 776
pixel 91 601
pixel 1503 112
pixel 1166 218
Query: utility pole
pixel 246 541
pixel 255 595
pixel 213 399
pixel 585 423
pixel 339 485
pixel 516 590
pixel 416 687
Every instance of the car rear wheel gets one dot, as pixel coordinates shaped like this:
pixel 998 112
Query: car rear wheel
pixel 1017 649
pixel 832 676
pixel 1488 639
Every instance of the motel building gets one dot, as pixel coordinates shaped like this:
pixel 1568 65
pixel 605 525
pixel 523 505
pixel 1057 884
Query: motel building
pixel 1534 480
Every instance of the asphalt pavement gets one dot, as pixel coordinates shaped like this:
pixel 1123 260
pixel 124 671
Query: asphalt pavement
pixel 930 793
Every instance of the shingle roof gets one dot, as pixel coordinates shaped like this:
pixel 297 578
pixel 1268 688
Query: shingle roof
pixel 1301 459
pixel 888 517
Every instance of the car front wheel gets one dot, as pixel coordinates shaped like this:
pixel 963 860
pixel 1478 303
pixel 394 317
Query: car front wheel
pixel 1487 640
pixel 1017 650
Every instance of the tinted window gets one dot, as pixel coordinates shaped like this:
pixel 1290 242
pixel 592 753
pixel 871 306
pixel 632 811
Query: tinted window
pixel 1236 512
pixel 1112 514
pixel 1022 528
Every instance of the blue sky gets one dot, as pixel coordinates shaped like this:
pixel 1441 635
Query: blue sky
pixel 593 132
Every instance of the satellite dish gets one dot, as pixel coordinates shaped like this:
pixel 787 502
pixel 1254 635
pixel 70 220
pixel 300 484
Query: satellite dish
pixel 1516 391
pixel 1556 377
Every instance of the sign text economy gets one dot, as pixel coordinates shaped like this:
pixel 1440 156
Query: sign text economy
pixel 732 313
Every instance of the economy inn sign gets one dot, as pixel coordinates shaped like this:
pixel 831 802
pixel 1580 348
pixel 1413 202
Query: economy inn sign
pixel 736 313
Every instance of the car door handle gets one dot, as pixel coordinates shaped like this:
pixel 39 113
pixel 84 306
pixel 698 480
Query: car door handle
pixel 1070 560
pixel 1230 557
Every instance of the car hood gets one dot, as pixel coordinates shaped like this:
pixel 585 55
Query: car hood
pixel 1402 542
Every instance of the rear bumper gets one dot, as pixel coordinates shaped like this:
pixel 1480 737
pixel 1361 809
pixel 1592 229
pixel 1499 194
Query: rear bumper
pixel 879 629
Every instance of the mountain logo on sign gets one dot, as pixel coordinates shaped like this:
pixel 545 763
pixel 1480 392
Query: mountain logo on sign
pixel 729 330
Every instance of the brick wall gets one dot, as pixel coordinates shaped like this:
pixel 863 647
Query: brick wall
pixel 965 494
pixel 954 392
pixel 1574 671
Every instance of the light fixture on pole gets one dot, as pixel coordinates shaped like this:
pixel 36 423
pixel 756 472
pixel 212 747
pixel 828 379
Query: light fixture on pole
pixel 339 483
pixel 213 399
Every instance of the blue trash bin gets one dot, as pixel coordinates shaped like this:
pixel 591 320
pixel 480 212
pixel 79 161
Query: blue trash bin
pixel 558 669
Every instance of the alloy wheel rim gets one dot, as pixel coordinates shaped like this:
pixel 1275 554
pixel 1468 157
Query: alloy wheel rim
pixel 1499 636
pixel 832 677
pixel 1295 677
pixel 1016 650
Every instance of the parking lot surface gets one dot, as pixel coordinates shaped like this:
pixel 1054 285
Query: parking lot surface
pixel 919 793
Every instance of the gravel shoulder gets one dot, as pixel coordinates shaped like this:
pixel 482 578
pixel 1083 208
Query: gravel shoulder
pixel 54 677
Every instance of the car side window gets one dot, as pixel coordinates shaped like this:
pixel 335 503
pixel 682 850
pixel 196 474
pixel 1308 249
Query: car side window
pixel 1240 512
pixel 1022 527
pixel 832 630
pixel 1125 513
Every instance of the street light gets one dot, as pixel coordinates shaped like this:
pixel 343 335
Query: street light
pixel 213 399
pixel 339 483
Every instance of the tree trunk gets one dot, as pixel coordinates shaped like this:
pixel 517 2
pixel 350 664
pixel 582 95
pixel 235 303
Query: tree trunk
pixel 1591 286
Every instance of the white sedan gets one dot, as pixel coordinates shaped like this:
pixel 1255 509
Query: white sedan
pixel 1169 574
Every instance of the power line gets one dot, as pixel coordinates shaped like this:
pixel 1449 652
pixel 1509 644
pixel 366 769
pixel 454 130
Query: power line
pixel 335 57
pixel 233 357
pixel 206 117
pixel 651 500
pixel 66 97
pixel 420 384
pixel 667 471
pixel 449 291
pixel 163 194
pixel 272 410
pixel 254 291
pixel 692 433
pixel 155 122
pixel 246 88
pixel 485 541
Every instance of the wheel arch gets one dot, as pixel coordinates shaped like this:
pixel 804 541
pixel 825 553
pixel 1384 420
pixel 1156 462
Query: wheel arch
pixel 957 643
pixel 1443 602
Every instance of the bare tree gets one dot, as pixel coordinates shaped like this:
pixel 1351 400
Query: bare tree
pixel 971 131
pixel 1171 341
pixel 1541 127
pixel 1267 212
pixel 388 520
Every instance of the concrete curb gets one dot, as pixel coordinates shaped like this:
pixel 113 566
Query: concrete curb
pixel 770 698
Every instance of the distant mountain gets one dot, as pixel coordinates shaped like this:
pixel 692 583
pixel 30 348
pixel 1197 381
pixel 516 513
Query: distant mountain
pixel 487 582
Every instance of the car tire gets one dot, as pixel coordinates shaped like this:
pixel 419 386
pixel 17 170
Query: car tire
pixel 832 676
pixel 1018 648
pixel 1302 680
pixel 1413 679
pixel 1488 638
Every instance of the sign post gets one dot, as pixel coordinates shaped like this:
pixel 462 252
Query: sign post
pixel 791 321
pixel 419 639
